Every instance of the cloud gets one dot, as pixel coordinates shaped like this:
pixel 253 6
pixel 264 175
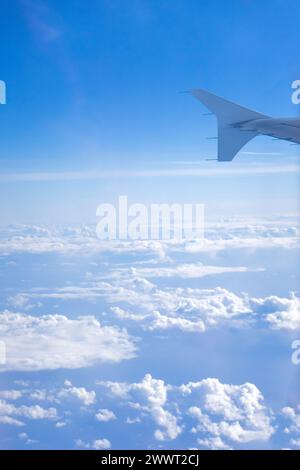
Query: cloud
pixel 196 310
pixel 232 234
pixel 295 442
pixel 101 444
pixel 292 420
pixel 207 413
pixel 292 415
pixel 234 412
pixel 133 420
pixel 131 298
pixel 212 171
pixel 213 443
pixel 55 341
pixel 98 444
pixel 60 424
pixel 10 414
pixel 184 271
pixel 105 415
pixel 70 240
pixel 149 396
pixel 157 309
pixel 10 394
pixel 221 415
pixel 280 313
pixel 79 393
pixel 11 421
pixel 24 437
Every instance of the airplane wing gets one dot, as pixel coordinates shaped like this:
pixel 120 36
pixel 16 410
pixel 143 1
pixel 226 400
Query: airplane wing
pixel 230 138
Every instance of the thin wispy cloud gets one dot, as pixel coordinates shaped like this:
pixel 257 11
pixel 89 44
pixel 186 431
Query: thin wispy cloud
pixel 155 173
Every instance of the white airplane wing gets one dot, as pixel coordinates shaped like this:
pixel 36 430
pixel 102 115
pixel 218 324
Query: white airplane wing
pixel 230 138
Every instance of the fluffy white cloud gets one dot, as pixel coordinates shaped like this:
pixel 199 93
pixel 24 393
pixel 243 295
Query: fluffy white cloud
pixel 149 396
pixel 53 395
pixel 105 415
pixel 10 414
pixel 137 299
pixel 25 438
pixel 196 310
pixel 232 412
pixel 292 420
pixel 10 394
pixel 97 444
pixel 60 424
pixel 295 442
pixel 101 444
pixel 292 415
pixel 55 341
pixel 280 313
pixel 79 393
pixel 221 415
pixel 213 443
pixel 9 420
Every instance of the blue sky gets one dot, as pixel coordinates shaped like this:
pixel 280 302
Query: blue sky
pixel 146 344
pixel 96 89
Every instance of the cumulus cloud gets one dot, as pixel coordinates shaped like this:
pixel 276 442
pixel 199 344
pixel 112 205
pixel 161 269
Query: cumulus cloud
pixel 9 420
pixel 10 414
pixel 57 395
pixel 157 309
pixel 291 418
pixel 79 393
pixel 65 398
pixel 10 394
pixel 101 444
pixel 213 443
pixel 280 313
pixel 221 415
pixel 136 299
pixel 105 415
pixel 292 415
pixel 149 396
pixel 232 412
pixel 60 424
pixel 295 442
pixel 196 310
pixel 55 341
pixel 25 438
pixel 208 413
pixel 97 444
